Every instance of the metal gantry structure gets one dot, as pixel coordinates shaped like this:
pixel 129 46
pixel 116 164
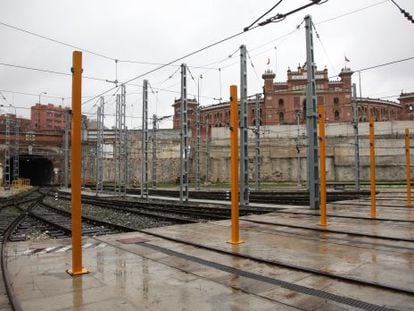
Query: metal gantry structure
pixel 16 150
pixel 84 149
pixel 298 146
pixel 7 156
pixel 144 141
pixel 197 151
pixel 100 145
pixel 184 137
pixel 121 144
pixel 154 151
pixel 66 151
pixel 207 151
pixel 244 160
pixel 257 141
pixel 311 120
pixel 155 122
pixel 356 138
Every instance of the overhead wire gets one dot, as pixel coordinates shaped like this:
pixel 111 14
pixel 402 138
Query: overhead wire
pixel 385 64
pixel 263 15
pixel 49 71
pixel 313 2
pixel 297 28
pixel 83 49
pixel 252 65
pixel 323 47
pixel 351 12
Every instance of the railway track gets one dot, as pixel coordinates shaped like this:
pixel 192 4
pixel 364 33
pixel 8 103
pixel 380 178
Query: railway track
pixel 274 197
pixel 172 211
pixel 59 217
pixel 25 214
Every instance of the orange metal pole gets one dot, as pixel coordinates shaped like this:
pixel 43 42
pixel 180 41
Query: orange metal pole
pixel 322 173
pixel 234 159
pixel 408 166
pixel 372 166
pixel 77 268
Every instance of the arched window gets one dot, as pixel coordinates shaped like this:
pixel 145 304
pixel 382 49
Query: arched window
pixel 336 101
pixel 281 103
pixel 336 116
pixel 281 117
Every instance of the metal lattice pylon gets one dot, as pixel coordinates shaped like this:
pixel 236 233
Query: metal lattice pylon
pixel 121 140
pixel 6 181
pixel 198 137
pixel 244 157
pixel 184 137
pixel 66 155
pixel 257 140
pixel 99 145
pixel 144 141
pixel 154 151
pixel 16 151
pixel 356 138
pixel 312 120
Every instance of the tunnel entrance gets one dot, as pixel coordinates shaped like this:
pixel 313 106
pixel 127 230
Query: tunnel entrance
pixel 35 167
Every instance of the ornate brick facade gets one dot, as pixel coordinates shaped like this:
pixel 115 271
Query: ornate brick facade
pixel 285 103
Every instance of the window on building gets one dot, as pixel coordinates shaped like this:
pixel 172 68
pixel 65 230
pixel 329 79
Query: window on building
pixel 304 108
pixel 336 115
pixel 48 120
pixel 281 103
pixel 281 117
pixel 296 102
pixel 336 101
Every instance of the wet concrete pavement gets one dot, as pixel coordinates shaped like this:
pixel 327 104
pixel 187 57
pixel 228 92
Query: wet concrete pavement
pixel 294 268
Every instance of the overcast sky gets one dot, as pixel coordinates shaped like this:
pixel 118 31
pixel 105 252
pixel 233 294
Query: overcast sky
pixel 159 31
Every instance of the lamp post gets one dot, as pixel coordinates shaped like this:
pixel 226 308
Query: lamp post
pixel 40 94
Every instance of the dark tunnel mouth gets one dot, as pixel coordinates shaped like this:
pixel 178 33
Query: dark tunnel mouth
pixel 35 167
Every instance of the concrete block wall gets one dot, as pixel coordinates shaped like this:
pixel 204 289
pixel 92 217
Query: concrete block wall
pixel 278 154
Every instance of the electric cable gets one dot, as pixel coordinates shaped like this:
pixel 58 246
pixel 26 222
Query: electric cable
pixel 213 44
pixel 267 12
pixel 407 15
pixel 50 71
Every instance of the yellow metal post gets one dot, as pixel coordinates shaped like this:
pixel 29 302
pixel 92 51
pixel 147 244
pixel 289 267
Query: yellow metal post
pixel 322 157
pixel 408 166
pixel 372 166
pixel 234 159
pixel 77 268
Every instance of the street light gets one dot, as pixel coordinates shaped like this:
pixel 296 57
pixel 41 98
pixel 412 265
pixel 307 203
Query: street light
pixel 41 95
pixel 198 88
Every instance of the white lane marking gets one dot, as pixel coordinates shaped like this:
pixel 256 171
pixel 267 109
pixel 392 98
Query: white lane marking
pixel 87 245
pixel 26 252
pixel 47 250
pixel 64 249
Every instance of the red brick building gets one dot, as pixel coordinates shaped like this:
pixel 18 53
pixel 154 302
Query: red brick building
pixel 407 106
pixel 24 124
pixel 285 102
pixel 48 117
